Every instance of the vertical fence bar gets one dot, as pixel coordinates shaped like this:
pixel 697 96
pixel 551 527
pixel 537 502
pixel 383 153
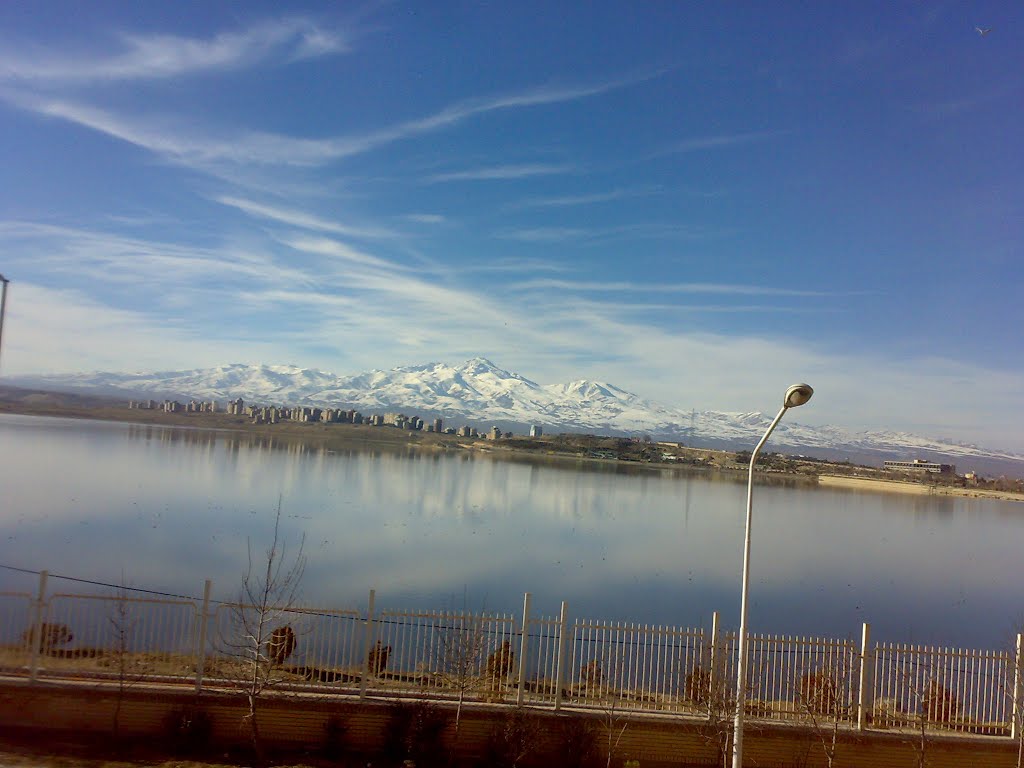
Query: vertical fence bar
pixel 523 640
pixel 200 650
pixel 1018 705
pixel 37 626
pixel 364 678
pixel 864 682
pixel 560 663
pixel 714 662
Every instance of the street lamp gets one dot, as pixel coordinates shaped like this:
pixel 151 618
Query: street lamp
pixel 796 395
pixel 3 307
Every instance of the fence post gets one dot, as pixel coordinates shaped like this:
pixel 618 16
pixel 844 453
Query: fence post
pixel 36 634
pixel 865 682
pixel 369 644
pixel 200 651
pixel 563 622
pixel 714 661
pixel 1018 705
pixel 522 649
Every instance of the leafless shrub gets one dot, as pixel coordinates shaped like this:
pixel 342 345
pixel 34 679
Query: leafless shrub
pixel 514 739
pixel 824 696
pixel 259 624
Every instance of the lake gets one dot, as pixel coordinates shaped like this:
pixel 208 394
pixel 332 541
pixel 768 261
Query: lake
pixel 166 508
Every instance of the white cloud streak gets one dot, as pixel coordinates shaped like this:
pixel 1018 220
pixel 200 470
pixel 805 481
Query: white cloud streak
pixel 150 57
pixel 304 220
pixel 719 289
pixel 501 173
pixel 591 199
pixel 721 141
pixel 176 142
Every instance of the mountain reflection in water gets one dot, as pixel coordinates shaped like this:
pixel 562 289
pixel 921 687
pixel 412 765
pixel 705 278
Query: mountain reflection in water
pixel 169 507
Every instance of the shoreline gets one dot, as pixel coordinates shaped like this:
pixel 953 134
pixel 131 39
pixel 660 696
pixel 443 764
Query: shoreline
pixel 331 438
pixel 880 485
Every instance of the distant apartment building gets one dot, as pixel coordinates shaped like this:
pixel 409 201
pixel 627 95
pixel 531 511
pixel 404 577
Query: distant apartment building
pixel 236 407
pixel 438 425
pixel 495 433
pixel 402 421
pixel 921 465
pixel 536 431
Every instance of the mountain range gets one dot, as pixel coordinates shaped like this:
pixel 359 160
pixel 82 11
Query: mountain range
pixel 480 393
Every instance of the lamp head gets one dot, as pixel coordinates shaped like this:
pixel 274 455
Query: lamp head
pixel 798 394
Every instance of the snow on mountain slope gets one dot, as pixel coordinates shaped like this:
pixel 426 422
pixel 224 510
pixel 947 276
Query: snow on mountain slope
pixel 481 392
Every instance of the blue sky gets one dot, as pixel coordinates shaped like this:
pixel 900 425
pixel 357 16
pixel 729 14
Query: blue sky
pixel 699 203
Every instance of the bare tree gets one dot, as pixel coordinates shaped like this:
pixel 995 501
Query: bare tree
pixel 129 666
pixel 467 660
pixel 932 703
pixel 1016 691
pixel 1013 686
pixel 824 696
pixel 707 688
pixel 613 720
pixel 601 683
pixel 260 635
pixel 714 694
pixel 514 738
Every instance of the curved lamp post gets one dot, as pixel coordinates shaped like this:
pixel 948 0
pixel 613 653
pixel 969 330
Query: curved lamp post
pixel 3 306
pixel 796 395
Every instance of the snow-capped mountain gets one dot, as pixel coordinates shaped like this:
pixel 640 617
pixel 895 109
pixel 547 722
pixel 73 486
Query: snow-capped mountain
pixel 480 392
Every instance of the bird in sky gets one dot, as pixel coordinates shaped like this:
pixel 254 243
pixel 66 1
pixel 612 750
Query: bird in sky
pixel 983 32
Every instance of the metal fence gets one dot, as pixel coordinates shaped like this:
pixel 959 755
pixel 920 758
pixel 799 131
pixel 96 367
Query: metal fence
pixel 15 630
pixel 953 689
pixel 544 661
pixel 633 666
pixel 798 678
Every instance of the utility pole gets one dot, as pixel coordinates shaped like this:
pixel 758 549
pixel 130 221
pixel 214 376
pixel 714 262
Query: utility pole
pixel 3 307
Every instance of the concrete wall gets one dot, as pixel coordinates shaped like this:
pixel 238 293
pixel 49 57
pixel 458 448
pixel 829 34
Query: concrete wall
pixel 298 722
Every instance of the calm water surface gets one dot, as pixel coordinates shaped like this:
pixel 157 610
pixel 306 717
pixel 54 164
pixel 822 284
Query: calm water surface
pixel 166 508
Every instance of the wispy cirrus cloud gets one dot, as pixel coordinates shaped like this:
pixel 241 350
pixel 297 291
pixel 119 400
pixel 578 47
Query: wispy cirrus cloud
pixel 56 330
pixel 547 234
pixel 594 234
pixel 338 251
pixel 721 141
pixel 179 142
pixel 425 218
pixel 501 172
pixel 719 289
pixel 303 220
pixel 151 57
pixel 173 140
pixel 76 253
pixel 566 201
